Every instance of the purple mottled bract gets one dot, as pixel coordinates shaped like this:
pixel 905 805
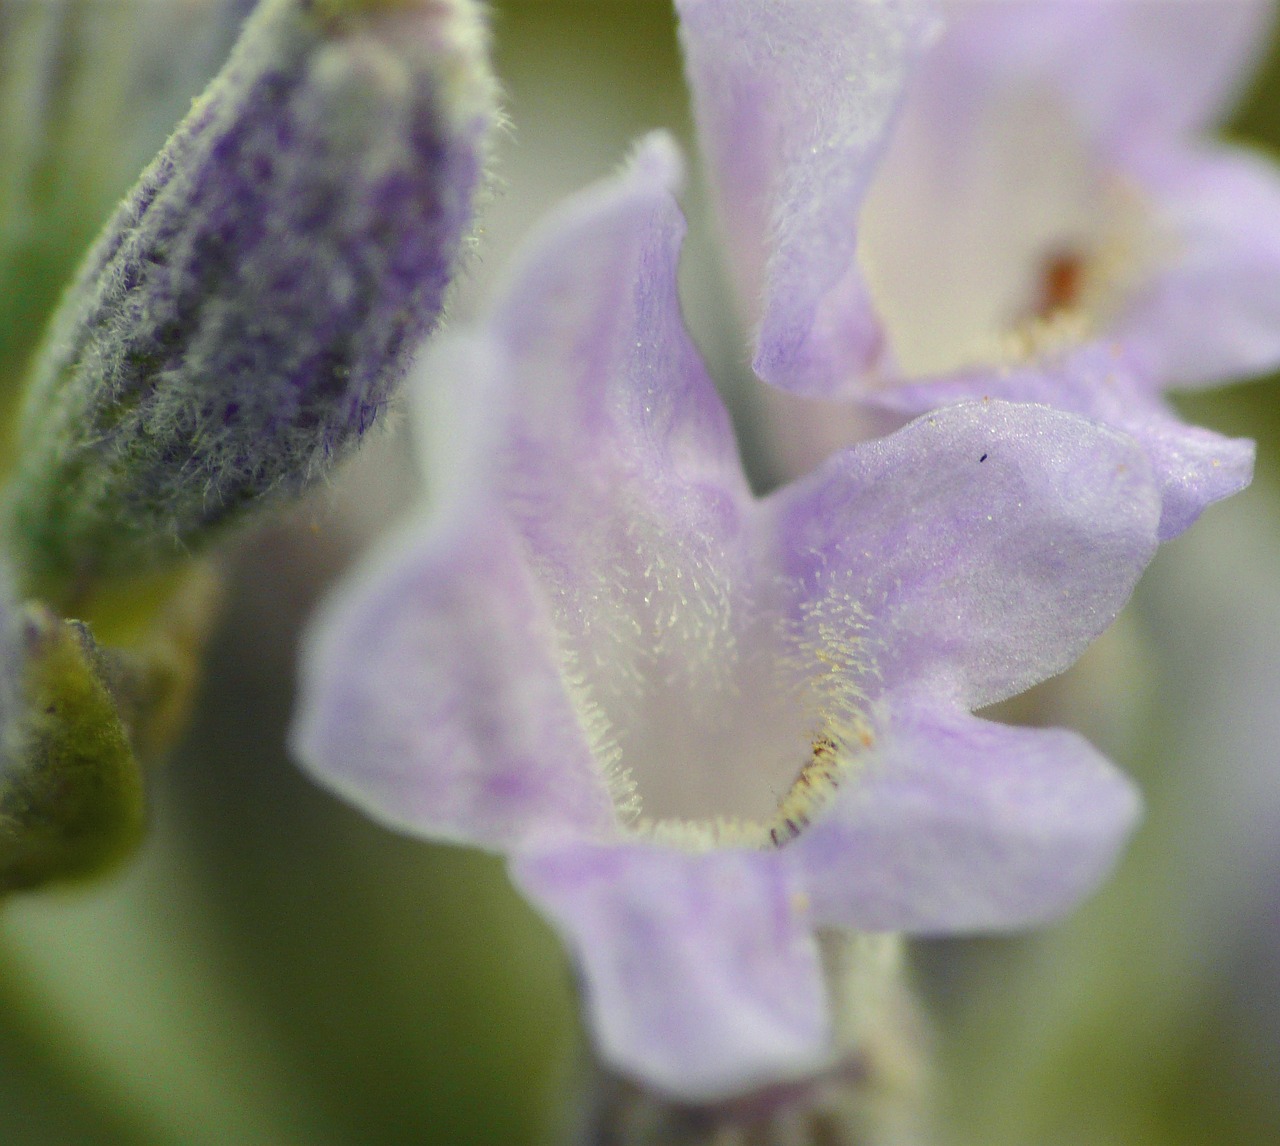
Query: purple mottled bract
pixel 254 304
pixel 927 203
pixel 704 726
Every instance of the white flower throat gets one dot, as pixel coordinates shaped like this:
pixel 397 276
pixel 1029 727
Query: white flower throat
pixel 1001 244
pixel 717 719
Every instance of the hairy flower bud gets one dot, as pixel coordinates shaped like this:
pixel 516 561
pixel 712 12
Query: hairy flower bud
pixel 88 92
pixel 251 307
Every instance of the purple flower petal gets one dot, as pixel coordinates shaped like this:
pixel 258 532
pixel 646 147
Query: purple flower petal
pixel 793 104
pixel 983 546
pixel 961 824
pixel 610 426
pixel 1130 70
pixel 430 696
pixel 1210 312
pixel 605 383
pixel 1193 467
pixel 702 975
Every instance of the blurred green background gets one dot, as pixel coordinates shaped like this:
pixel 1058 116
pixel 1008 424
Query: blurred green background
pixel 276 970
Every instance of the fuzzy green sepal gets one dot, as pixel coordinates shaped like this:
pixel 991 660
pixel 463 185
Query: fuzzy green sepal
pixel 72 798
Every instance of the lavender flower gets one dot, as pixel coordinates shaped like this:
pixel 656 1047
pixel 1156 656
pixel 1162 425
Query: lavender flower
pixel 705 726
pixel 1019 205
pixel 251 307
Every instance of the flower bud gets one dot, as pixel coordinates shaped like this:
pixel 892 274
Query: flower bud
pixel 249 310
pixel 88 92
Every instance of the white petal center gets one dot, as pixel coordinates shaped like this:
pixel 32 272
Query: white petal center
pixel 715 719
pixel 993 241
